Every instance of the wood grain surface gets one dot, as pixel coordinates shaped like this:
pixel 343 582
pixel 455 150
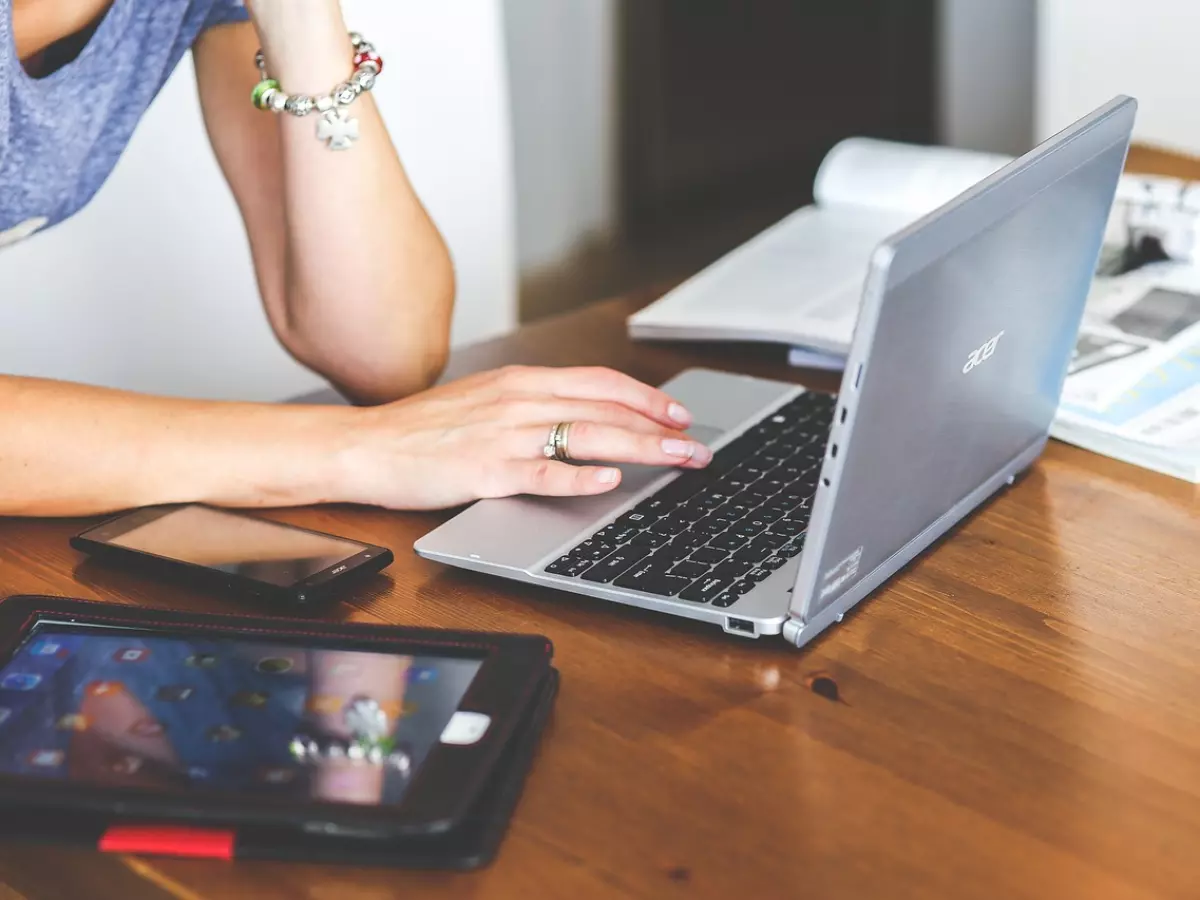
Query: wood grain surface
pixel 1016 715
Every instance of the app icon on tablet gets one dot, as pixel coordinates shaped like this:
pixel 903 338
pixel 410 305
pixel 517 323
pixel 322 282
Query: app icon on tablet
pixel 274 665
pixel 72 722
pixel 47 647
pixel 131 655
pixel 5 712
pixel 172 693
pixel 18 681
pixel 104 688
pixel 252 699
pixel 201 660
pixel 326 704
pixel 221 734
pixel 46 759
pixel 422 674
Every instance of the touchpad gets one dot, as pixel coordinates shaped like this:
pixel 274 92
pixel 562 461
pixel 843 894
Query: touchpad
pixel 705 434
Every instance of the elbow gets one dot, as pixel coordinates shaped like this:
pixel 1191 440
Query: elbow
pixel 375 378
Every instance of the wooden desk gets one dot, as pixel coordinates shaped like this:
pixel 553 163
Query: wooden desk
pixel 1015 716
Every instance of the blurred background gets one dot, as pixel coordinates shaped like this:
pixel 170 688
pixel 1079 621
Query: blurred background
pixel 575 149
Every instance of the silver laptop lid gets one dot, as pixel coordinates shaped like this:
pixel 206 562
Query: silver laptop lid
pixel 968 322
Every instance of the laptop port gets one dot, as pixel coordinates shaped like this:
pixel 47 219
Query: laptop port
pixel 742 626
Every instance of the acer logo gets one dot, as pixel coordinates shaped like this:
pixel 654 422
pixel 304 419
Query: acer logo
pixel 339 570
pixel 983 354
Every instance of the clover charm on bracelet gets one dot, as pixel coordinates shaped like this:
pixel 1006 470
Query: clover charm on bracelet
pixel 338 129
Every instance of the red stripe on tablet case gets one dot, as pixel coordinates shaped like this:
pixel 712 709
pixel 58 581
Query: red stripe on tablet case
pixel 155 840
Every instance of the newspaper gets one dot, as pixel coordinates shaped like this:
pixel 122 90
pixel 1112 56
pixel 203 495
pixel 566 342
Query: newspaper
pixel 1133 388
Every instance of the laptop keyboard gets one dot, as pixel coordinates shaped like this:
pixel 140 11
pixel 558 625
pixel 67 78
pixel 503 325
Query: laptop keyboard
pixel 711 535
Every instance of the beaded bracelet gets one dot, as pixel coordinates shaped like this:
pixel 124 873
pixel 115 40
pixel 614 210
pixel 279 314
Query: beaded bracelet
pixel 336 127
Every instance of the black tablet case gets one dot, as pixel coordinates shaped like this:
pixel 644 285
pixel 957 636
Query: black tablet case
pixel 472 845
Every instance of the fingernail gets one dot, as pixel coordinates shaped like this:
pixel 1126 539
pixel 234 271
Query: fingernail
pixel 673 447
pixel 702 455
pixel 679 414
pixel 607 476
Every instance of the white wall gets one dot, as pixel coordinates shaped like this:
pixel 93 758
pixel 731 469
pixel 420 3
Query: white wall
pixel 987 71
pixel 1090 51
pixel 150 288
pixel 562 58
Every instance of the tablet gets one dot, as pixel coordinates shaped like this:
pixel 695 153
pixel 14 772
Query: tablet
pixel 341 730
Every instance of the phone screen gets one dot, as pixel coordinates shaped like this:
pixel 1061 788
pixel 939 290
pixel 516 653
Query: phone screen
pixel 239 545
pixel 133 708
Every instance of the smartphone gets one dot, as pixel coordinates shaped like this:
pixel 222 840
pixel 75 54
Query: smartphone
pixel 252 557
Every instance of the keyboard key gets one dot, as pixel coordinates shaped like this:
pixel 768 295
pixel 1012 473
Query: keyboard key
pixel 684 487
pixel 691 511
pixel 788 527
pixel 712 525
pixel 654 506
pixel 592 550
pixel 770 513
pixel 771 486
pixel 690 539
pixel 770 541
pixel 690 570
pixel 650 539
pixel 671 554
pixel 705 589
pixel 650 578
pixel 709 555
pixel 757 574
pixel 570 566
pixel 637 519
pixel 771 563
pixel 726 599
pixel 669 526
pixel 614 535
pixel 753 553
pixel 749 528
pixel 791 549
pixel 728 541
pixel 615 564
pixel 732 569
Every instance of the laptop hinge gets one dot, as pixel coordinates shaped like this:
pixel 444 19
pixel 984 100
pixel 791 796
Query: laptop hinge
pixel 792 629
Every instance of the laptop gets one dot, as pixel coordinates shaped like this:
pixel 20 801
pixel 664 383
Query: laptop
pixel 967 325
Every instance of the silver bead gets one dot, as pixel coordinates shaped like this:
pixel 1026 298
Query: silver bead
pixel 356 39
pixel 300 105
pixel 268 98
pixel 364 79
pixel 366 47
pixel 344 94
pixel 369 66
pixel 324 104
pixel 279 101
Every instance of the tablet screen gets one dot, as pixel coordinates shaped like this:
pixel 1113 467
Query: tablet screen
pixel 124 708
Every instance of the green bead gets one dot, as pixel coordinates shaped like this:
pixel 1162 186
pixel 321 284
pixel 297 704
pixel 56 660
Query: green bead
pixel 260 90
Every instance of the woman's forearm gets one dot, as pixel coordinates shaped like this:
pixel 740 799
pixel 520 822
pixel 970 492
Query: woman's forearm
pixel 370 286
pixel 66 450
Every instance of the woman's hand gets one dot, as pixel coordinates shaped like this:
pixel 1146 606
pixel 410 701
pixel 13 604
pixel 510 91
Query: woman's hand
pixel 483 437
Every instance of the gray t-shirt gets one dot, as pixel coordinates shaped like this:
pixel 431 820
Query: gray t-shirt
pixel 61 135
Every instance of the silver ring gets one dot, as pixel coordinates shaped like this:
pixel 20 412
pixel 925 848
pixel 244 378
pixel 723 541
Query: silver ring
pixel 556 443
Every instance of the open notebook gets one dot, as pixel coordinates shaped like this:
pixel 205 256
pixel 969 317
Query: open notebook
pixel 800 281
